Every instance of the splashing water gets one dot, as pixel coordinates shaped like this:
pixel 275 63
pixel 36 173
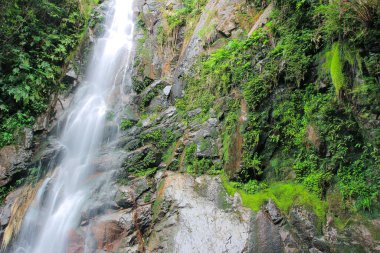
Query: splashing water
pixel 59 203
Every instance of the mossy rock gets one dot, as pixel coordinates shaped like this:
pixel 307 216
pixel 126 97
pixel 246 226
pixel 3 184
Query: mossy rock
pixel 139 161
pixel 139 84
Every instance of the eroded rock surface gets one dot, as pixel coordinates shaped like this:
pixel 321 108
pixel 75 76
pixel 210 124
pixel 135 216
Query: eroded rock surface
pixel 196 223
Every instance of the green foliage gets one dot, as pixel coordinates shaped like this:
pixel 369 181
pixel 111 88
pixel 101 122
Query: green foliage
pixel 355 22
pixel 180 16
pixel 141 164
pixel 161 138
pixel 11 128
pixel 290 85
pixel 229 127
pixel 127 123
pixel 139 86
pixel 361 180
pixel 251 187
pixel 36 39
pixel 152 93
pixel 168 155
pixel 198 166
pixel 4 191
pixel 34 174
pixel 147 197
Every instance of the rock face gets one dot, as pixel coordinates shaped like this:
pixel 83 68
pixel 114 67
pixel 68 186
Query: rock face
pixel 189 222
pixel 174 212
pixel 167 52
pixel 13 162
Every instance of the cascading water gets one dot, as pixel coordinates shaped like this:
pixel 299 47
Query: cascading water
pixel 58 207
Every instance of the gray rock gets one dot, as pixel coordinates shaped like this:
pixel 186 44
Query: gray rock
pixel 13 161
pixel 199 226
pixel 304 223
pixel 194 112
pixel 167 90
pixel 144 218
pixel 71 73
pixel 265 236
pixel 274 212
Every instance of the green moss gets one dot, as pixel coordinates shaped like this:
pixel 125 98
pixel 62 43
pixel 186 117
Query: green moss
pixel 336 68
pixel 146 172
pixel 285 195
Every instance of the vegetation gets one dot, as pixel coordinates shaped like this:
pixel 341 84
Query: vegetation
pixel 127 123
pixel 37 39
pixel 312 89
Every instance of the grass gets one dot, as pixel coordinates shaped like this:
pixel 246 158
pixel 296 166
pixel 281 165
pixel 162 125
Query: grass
pixel 285 195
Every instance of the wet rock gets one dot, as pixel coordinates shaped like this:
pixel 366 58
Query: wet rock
pixel 6 209
pixel 290 245
pixel 107 234
pixel 75 242
pixel 127 223
pixel 131 195
pixel 13 211
pixel 321 245
pixel 28 139
pixel 314 250
pixel 360 234
pixel 304 222
pixel 109 160
pixel 48 154
pixel 265 236
pixel 42 123
pixel 125 197
pixel 273 212
pixel 144 218
pixel 13 163
pixel 71 73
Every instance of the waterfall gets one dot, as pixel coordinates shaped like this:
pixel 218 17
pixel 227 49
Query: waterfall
pixel 60 202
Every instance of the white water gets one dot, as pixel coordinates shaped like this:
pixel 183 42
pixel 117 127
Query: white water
pixel 60 201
